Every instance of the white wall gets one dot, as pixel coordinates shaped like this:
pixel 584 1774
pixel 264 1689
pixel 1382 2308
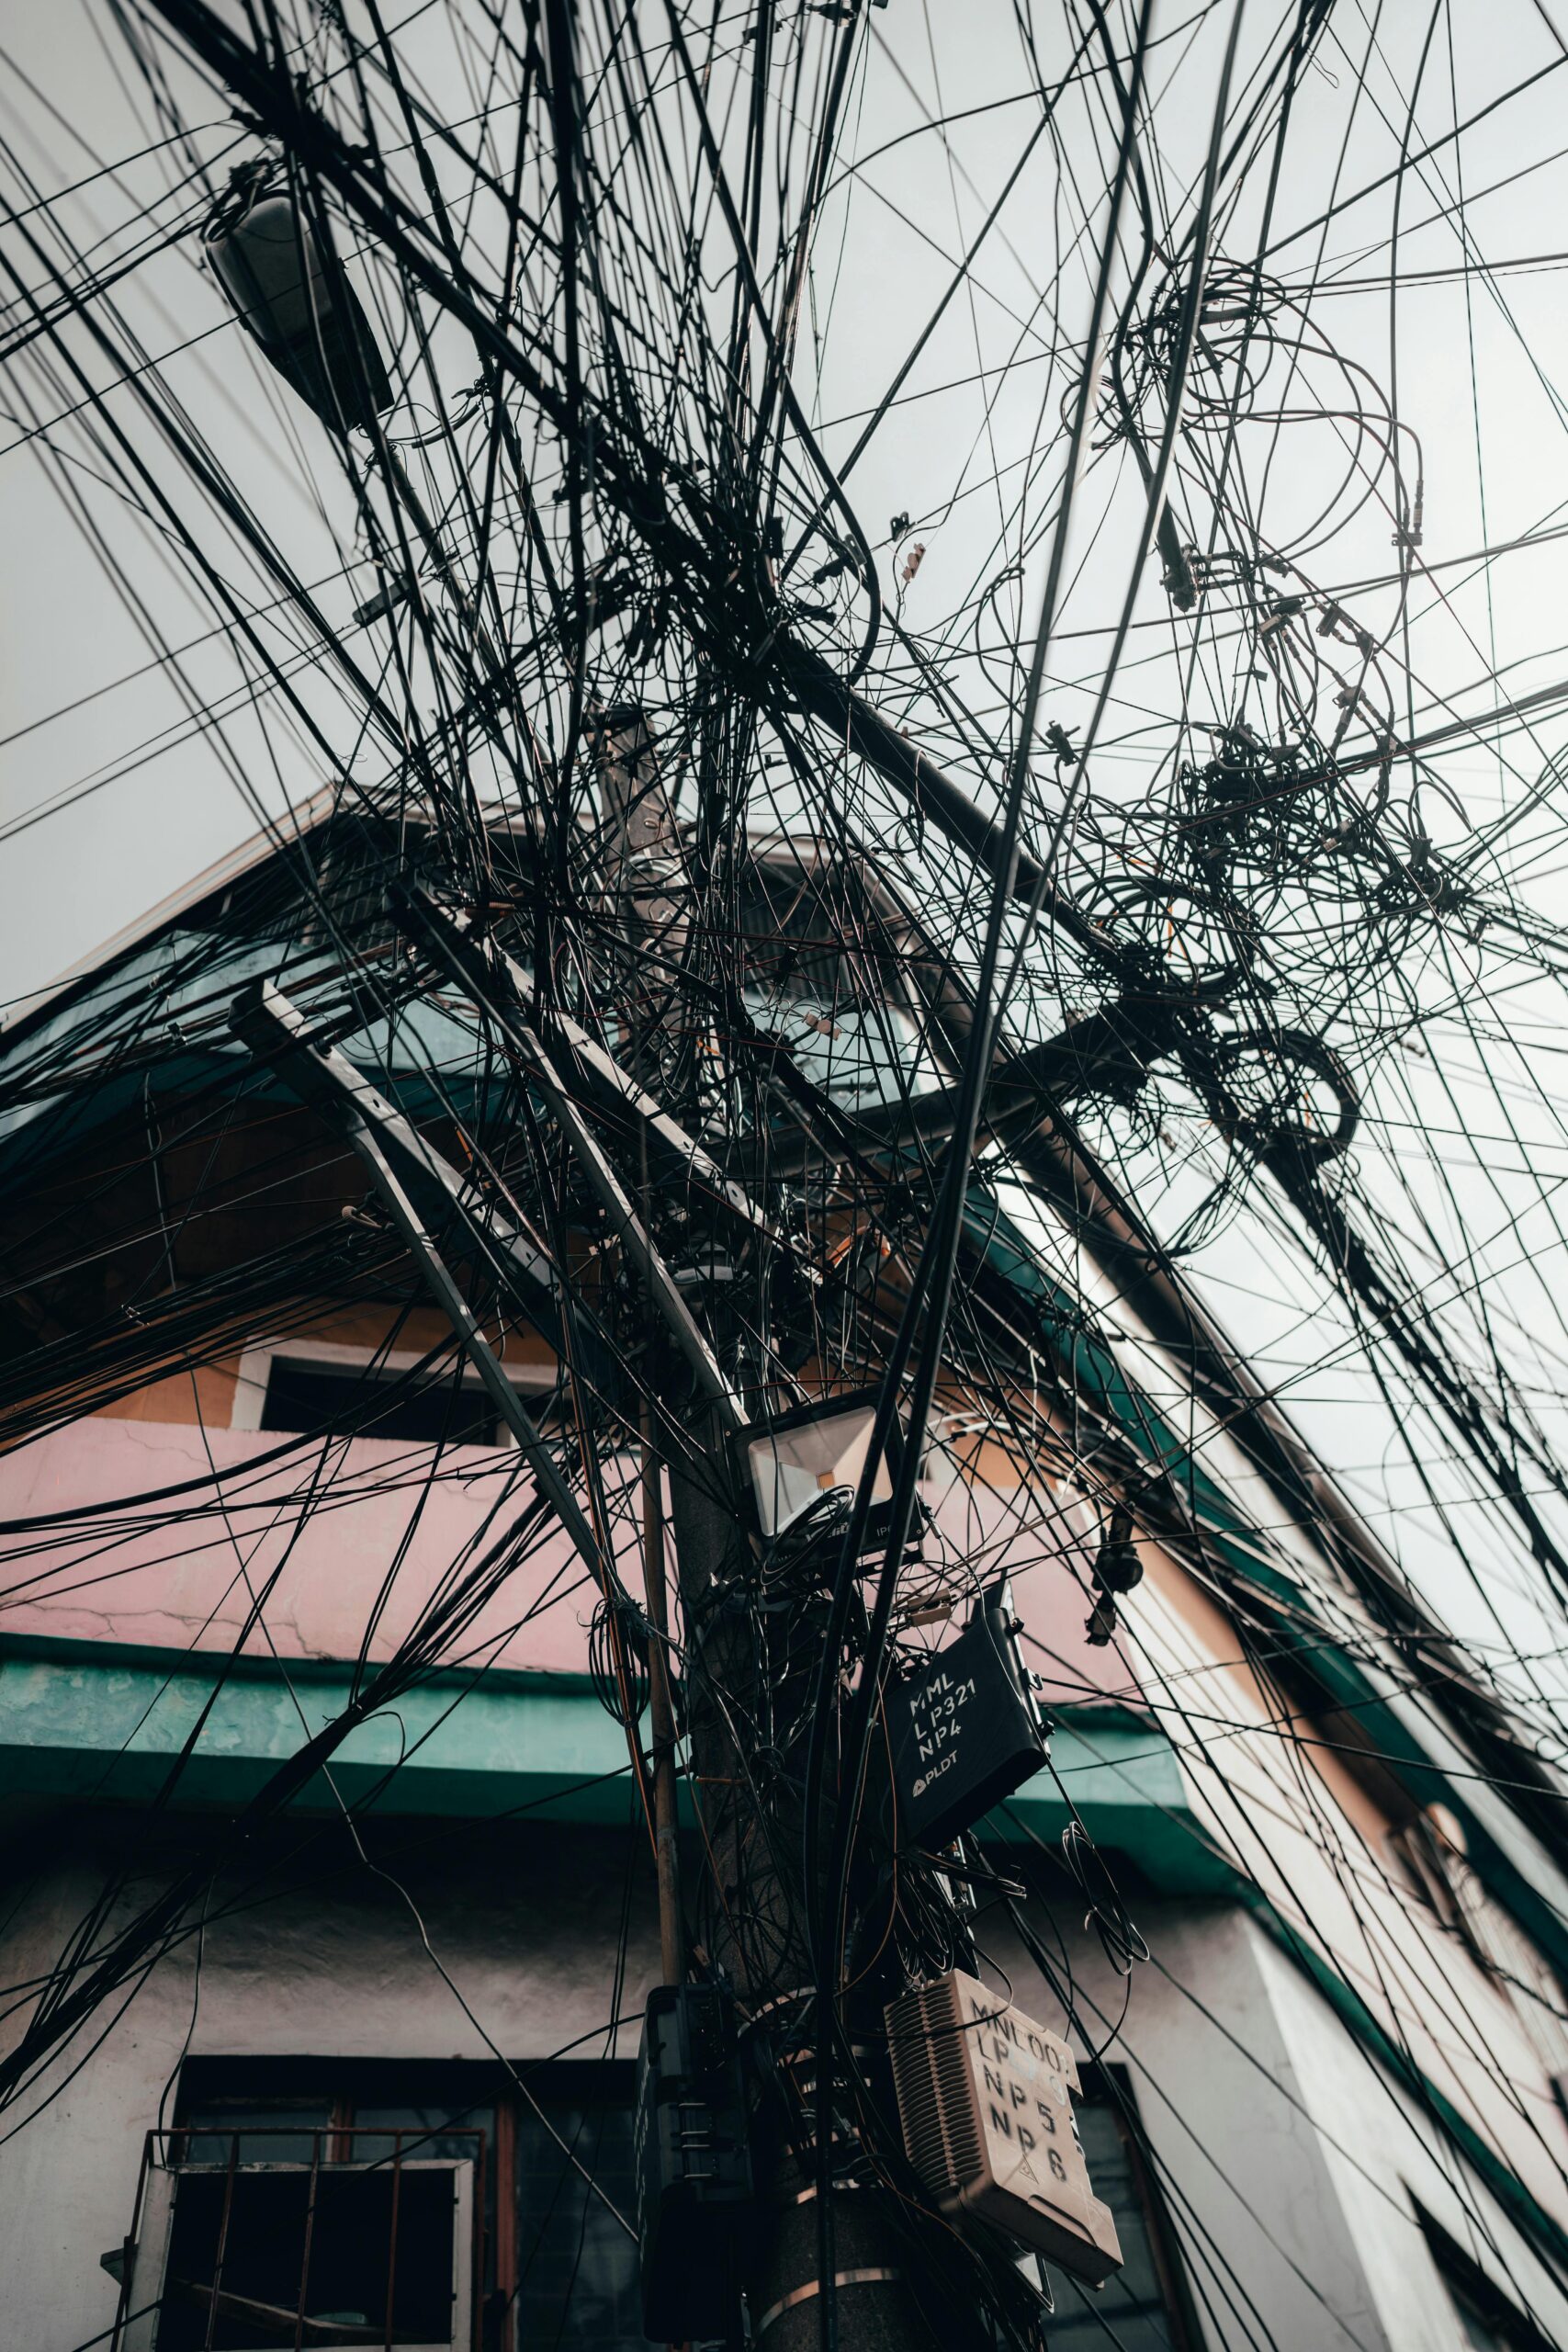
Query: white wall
pixel 525 1922
pixel 1383 2153
pixel 1219 2096
pixel 1291 2150
pixel 1286 2150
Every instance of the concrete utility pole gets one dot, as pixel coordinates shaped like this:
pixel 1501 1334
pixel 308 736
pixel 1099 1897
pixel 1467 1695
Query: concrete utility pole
pixel 755 1849
pixel 753 1845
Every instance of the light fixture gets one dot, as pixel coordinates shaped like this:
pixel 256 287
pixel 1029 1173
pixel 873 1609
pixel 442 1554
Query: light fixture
pixel 802 1455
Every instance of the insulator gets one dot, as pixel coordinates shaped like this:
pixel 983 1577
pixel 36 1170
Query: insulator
pixel 1102 1622
pixel 1117 1567
pixel 299 306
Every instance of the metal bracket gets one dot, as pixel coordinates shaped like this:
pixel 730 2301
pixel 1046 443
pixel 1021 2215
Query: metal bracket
pixel 404 1168
pixel 488 972
pixel 879 2276
pixel 494 982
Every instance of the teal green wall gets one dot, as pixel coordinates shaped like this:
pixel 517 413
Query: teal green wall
pixel 105 1723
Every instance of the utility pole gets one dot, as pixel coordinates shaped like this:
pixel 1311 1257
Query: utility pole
pixel 755 1858
pixel 752 1847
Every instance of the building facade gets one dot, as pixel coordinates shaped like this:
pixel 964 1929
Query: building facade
pixel 366 2073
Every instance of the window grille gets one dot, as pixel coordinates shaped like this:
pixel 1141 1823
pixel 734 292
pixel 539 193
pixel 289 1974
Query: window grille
pixel 274 2237
pixel 319 2203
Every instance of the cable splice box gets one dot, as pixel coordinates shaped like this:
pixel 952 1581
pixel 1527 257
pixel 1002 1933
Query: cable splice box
pixel 985 2108
pixel 967 1730
pixel 695 2207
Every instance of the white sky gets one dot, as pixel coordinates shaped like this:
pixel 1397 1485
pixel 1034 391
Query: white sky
pixel 1479 383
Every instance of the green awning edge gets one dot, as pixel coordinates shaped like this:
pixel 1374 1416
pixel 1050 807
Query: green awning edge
pixel 1089 1366
pixel 101 1721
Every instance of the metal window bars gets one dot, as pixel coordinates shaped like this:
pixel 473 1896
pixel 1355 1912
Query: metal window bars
pixel 229 2250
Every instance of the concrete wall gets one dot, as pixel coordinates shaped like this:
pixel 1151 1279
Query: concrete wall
pixel 1289 2158
pixel 1294 2160
pixel 332 1962
pixel 1383 2157
pixel 192 1587
pixel 1267 2249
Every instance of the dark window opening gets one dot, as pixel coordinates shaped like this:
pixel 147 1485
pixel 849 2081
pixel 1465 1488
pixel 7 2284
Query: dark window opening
pixel 792 945
pixel 1422 1865
pixel 304 1396
pixel 1491 2321
pixel 847 1011
pixel 327 2251
pixel 553 2269
pixel 577 2269
pixel 1144 2306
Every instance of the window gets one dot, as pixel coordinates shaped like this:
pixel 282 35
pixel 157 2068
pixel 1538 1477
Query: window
pixel 1422 1859
pixel 847 1014
pixel 577 2269
pixel 241 2248
pixel 1144 2306
pixel 1488 2318
pixel 293 2201
pixel 305 1396
pixel 312 2203
pixel 394 1395
pixel 334 2244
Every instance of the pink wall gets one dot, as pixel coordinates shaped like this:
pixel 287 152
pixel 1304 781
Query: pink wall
pixel 188 1586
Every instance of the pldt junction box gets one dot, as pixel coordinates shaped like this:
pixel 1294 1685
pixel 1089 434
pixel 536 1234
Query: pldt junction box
pixel 694 2204
pixel 966 1731
pixel 985 2102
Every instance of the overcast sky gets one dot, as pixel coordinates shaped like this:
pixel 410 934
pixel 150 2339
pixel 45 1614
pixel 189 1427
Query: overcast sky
pixel 142 796
pixel 887 240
